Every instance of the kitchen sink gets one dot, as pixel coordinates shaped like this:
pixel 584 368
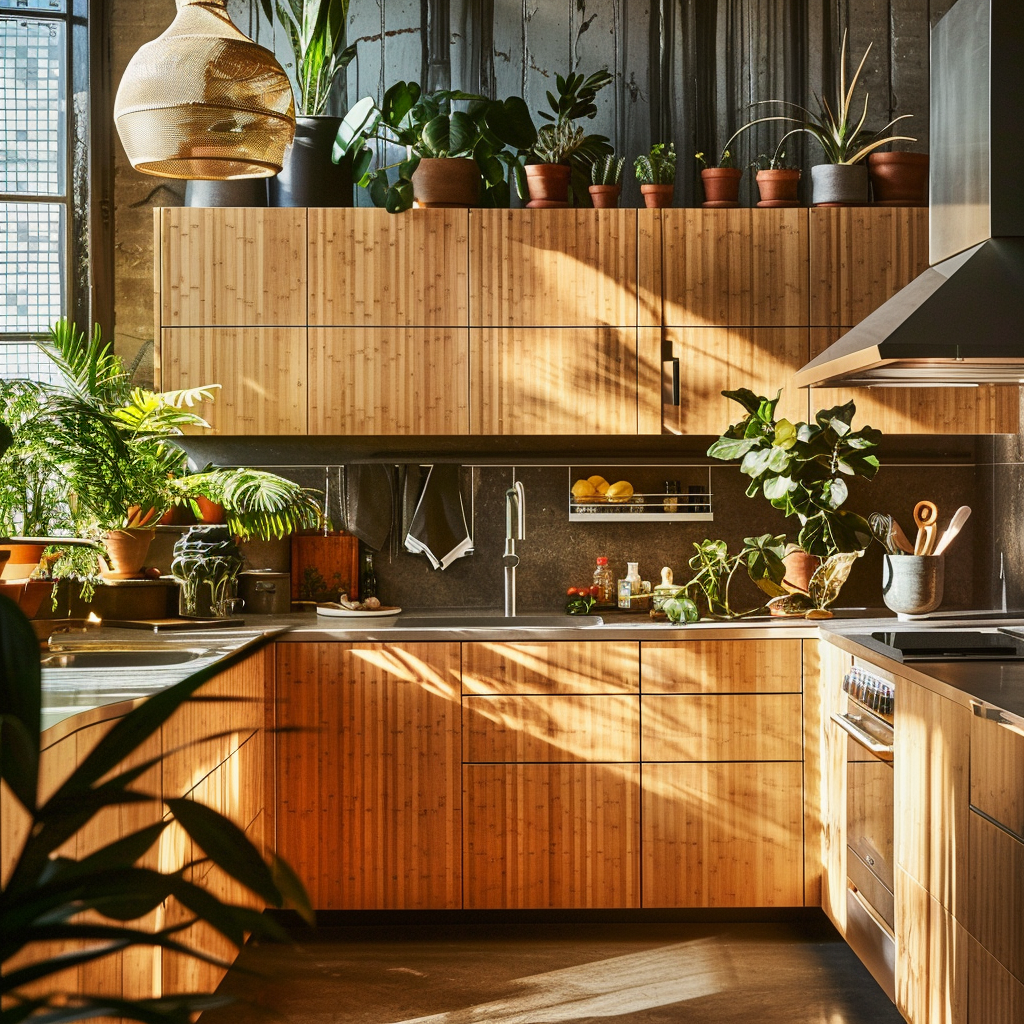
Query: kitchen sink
pixel 455 621
pixel 119 658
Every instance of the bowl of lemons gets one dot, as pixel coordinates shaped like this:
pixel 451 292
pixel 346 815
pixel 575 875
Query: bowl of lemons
pixel 596 489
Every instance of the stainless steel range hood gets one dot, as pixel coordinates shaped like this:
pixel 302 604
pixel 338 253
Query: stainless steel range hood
pixel 961 322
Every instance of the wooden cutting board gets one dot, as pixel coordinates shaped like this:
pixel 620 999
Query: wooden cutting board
pixel 325 566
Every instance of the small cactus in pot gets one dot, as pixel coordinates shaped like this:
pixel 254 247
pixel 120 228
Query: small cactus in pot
pixel 606 178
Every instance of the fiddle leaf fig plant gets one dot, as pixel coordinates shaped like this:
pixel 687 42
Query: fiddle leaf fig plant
pixel 803 468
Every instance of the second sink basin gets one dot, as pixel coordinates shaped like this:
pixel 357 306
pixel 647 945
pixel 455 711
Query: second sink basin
pixel 455 621
pixel 118 659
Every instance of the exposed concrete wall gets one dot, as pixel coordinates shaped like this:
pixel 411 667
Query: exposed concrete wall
pixel 135 195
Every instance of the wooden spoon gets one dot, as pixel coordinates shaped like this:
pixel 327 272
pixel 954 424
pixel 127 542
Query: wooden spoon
pixel 960 516
pixel 926 514
pixel 901 539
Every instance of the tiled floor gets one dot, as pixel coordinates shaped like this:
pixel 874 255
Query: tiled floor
pixel 711 974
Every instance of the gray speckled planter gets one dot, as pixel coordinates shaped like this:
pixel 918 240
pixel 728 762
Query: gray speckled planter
pixel 912 584
pixel 844 184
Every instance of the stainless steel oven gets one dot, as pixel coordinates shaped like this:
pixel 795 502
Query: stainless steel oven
pixel 870 863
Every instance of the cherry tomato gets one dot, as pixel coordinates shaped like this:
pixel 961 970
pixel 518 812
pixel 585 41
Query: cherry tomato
pixel 571 592
pixel 595 591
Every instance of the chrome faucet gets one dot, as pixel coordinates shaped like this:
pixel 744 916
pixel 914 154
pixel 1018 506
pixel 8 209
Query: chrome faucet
pixel 515 529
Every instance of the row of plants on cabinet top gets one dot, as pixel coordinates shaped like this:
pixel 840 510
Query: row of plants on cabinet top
pixel 463 149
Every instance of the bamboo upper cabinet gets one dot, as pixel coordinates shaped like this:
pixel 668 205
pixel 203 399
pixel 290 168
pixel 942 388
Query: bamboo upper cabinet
pixel 368 268
pixel 553 268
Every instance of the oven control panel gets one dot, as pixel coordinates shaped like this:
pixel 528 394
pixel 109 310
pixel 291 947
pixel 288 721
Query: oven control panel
pixel 875 693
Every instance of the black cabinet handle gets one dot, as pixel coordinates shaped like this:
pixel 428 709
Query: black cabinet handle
pixel 675 381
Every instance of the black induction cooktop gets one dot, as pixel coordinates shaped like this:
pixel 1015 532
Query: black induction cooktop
pixel 947 645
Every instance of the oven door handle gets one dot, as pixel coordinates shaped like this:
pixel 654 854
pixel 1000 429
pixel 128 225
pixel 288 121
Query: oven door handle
pixel 883 751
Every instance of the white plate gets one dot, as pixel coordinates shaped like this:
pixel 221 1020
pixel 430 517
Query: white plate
pixel 338 612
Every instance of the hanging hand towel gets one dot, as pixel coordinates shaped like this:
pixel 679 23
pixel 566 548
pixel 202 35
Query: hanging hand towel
pixel 368 503
pixel 439 528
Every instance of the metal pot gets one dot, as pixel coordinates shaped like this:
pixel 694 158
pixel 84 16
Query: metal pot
pixel 265 592
pixel 839 184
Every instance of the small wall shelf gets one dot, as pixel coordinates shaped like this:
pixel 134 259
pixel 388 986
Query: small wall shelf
pixel 694 506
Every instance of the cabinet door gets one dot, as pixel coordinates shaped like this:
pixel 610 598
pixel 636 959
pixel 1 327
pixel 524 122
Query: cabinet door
pixel 931 765
pixel 551 835
pixel 744 268
pixel 231 267
pixel 553 268
pixel 717 359
pixel 988 409
pixel 551 667
pixel 997 772
pixel 368 268
pixel 369 787
pixel 931 956
pixel 995 905
pixel 722 835
pixel 553 381
pixel 721 666
pixel 368 380
pixel 261 372
pixel 993 993
pixel 860 256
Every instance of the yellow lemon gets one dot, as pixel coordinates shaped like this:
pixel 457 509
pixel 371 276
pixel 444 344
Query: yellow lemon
pixel 583 489
pixel 622 490
pixel 599 483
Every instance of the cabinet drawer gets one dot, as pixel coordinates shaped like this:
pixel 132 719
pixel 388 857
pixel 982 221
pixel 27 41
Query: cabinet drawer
pixel 723 835
pixel 550 668
pixel 722 727
pixel 997 773
pixel 995 911
pixel 559 728
pixel 722 666
pixel 560 835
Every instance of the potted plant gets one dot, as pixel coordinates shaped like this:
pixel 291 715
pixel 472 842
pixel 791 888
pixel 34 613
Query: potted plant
pixel 656 172
pixel 803 469
pixel 451 156
pixel 315 30
pixel 715 571
pixel 606 181
pixel 721 181
pixel 206 563
pixel 898 178
pixel 843 179
pixel 776 182
pixel 548 177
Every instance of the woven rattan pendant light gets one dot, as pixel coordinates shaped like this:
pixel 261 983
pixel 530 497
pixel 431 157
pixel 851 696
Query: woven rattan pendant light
pixel 205 101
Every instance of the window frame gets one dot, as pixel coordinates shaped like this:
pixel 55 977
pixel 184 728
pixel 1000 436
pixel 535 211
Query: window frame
pixel 77 174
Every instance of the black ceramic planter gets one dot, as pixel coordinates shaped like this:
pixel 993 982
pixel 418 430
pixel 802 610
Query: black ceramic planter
pixel 239 192
pixel 309 177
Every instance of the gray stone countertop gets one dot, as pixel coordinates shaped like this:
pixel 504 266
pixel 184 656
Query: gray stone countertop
pixel 70 691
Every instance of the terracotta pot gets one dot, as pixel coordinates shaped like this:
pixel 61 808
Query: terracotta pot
pixel 657 197
pixel 800 568
pixel 177 515
pixel 721 185
pixel 839 184
pixel 899 179
pixel 605 197
pixel 778 186
pixel 549 182
pixel 452 182
pixel 127 550
pixel 139 518
pixel 28 595
pixel 22 560
pixel 210 512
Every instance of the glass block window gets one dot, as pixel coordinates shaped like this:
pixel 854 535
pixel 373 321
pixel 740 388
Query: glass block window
pixel 57 6
pixel 26 359
pixel 33 248
pixel 33 90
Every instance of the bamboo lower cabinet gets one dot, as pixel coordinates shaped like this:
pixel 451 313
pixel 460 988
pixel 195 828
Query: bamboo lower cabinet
pixel 369 787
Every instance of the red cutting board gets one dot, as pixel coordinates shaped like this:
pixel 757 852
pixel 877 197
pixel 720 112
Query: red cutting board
pixel 325 566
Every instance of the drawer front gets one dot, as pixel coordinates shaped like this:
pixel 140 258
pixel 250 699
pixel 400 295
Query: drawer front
pixel 994 994
pixel 558 728
pixel 722 666
pixel 996 896
pixel 997 773
pixel 722 727
pixel 552 667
